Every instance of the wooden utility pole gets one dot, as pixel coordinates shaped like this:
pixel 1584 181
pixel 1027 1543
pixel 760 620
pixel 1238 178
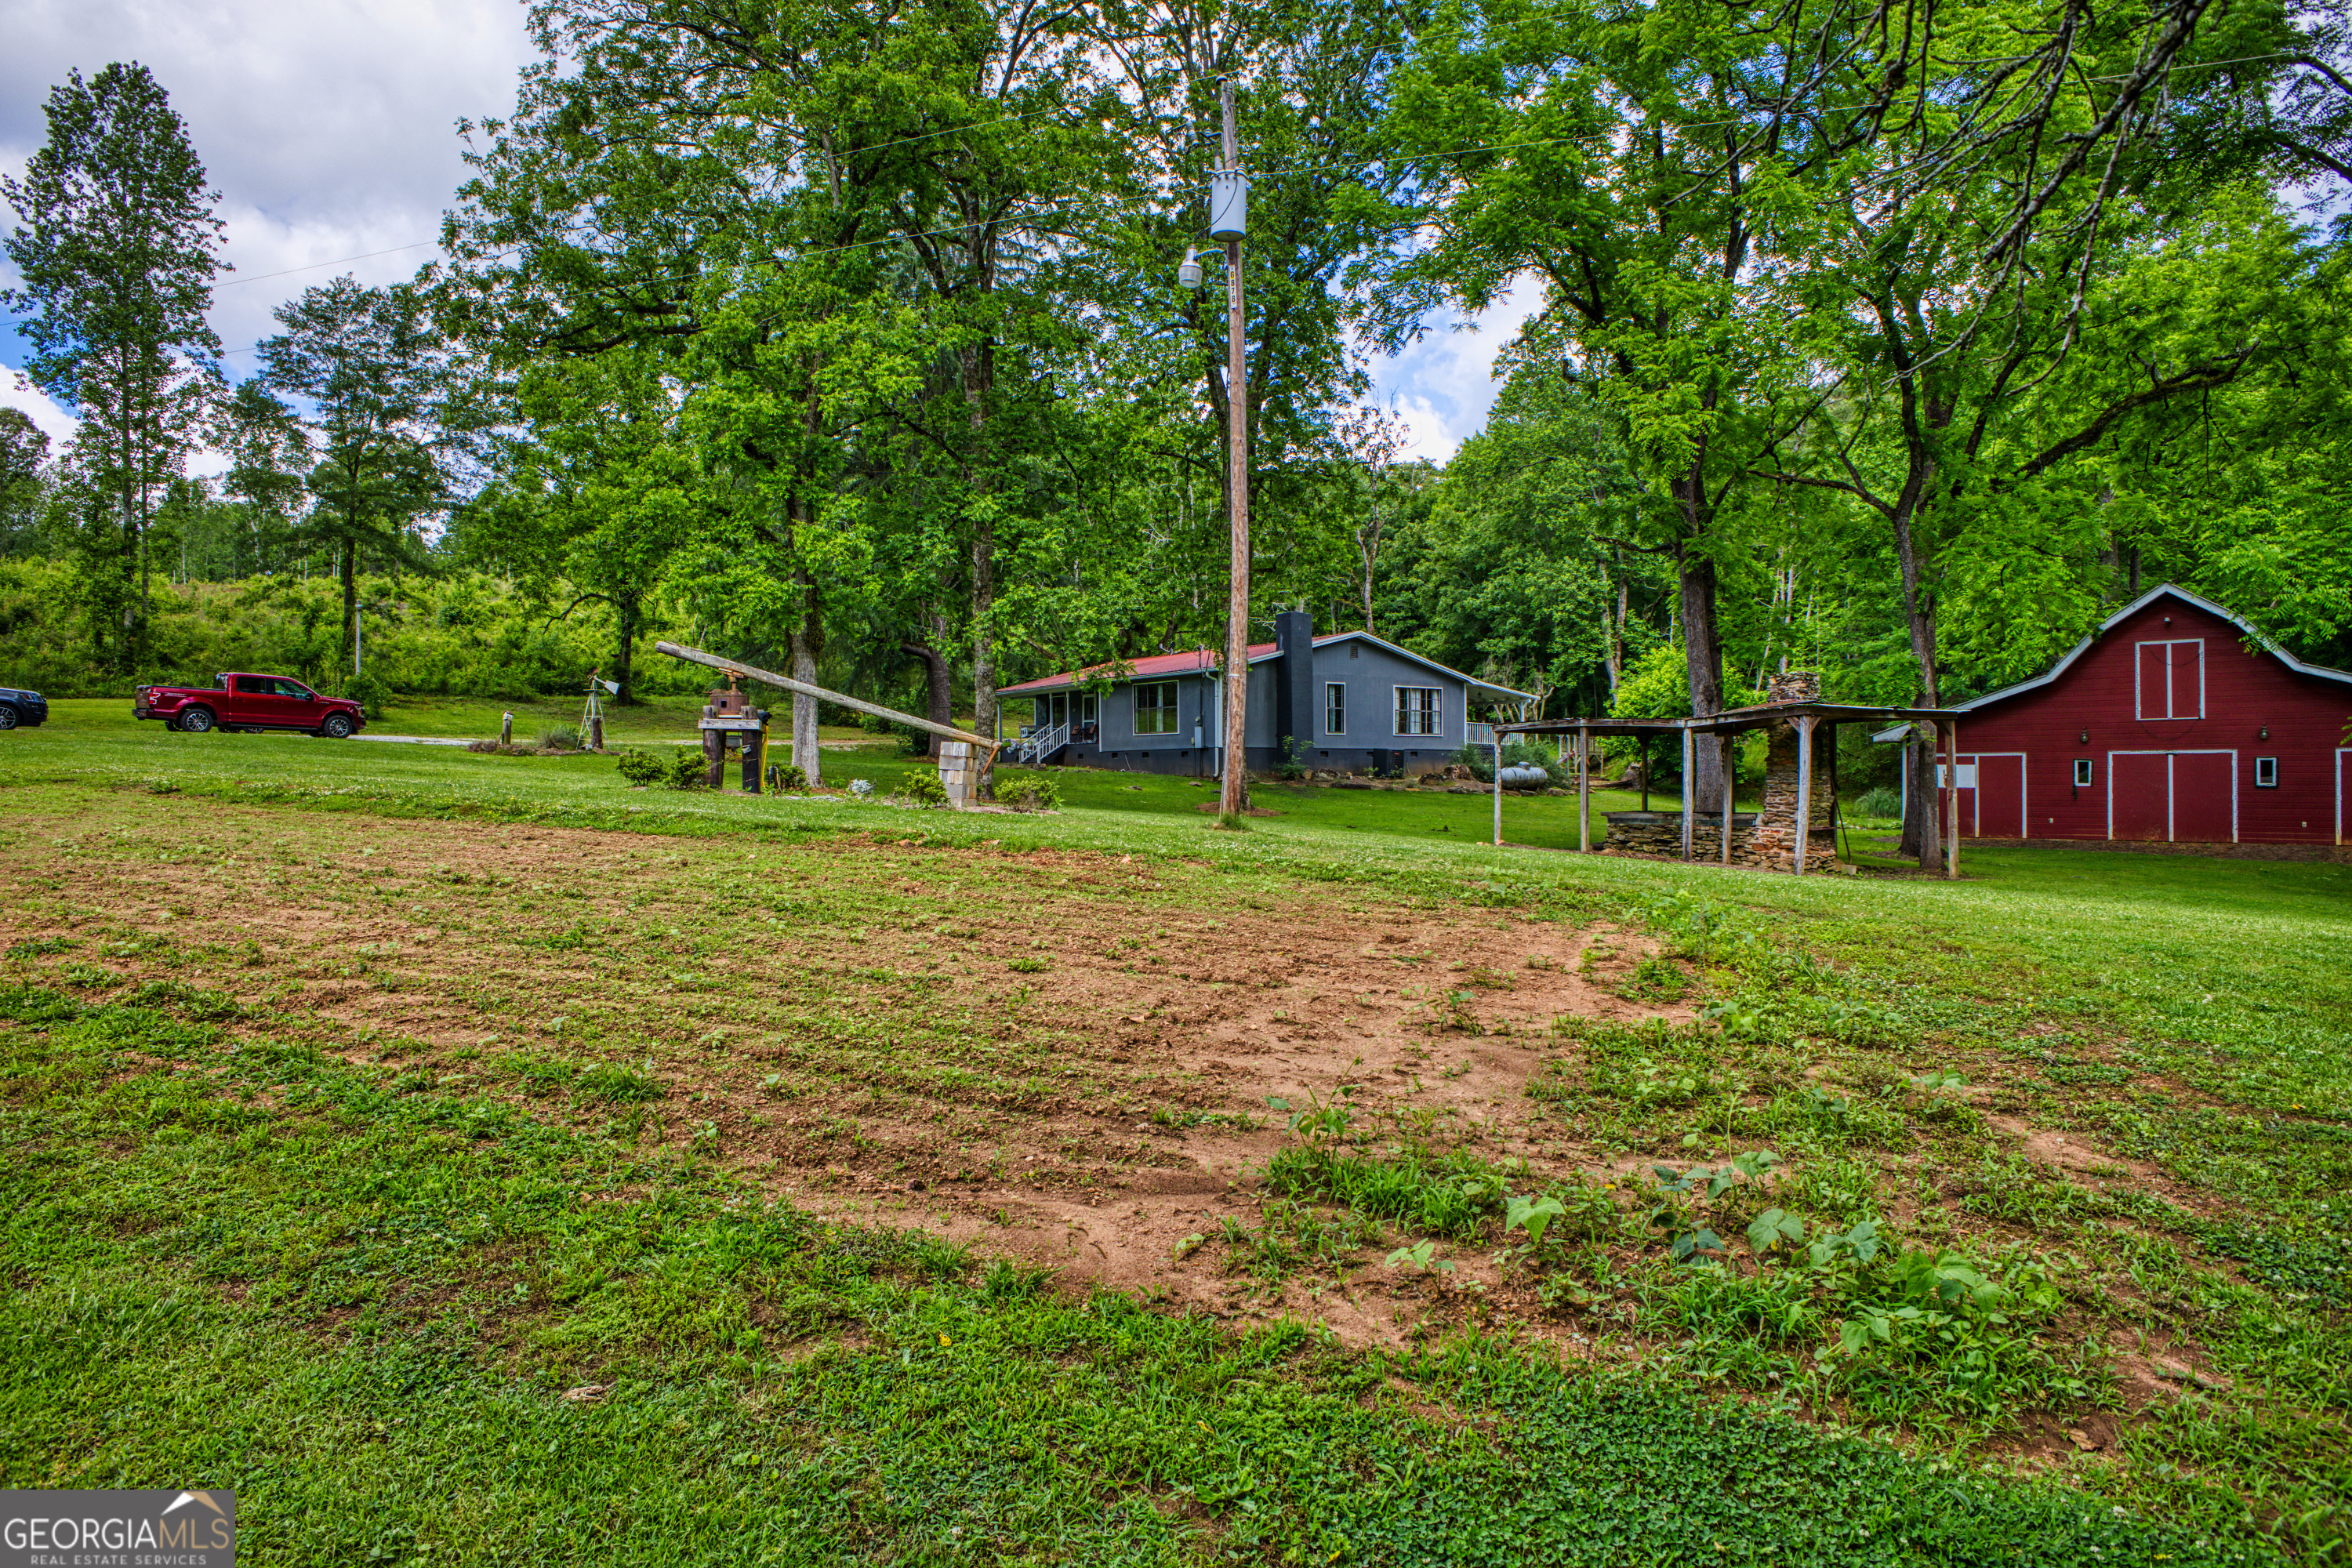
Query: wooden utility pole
pixel 1234 798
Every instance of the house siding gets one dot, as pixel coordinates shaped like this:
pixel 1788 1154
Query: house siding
pixel 2181 779
pixel 1370 675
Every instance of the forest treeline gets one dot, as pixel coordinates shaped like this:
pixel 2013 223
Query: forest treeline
pixel 1896 340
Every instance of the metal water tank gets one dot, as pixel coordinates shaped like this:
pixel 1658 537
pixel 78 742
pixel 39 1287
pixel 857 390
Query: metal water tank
pixel 1525 778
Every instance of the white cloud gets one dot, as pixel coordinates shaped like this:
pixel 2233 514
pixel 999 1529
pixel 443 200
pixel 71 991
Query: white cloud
pixel 1443 386
pixel 328 126
pixel 15 392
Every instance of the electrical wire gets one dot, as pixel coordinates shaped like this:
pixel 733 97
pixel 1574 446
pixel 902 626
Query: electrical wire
pixel 314 265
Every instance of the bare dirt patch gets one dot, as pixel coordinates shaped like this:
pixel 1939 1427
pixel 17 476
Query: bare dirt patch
pixel 1081 1060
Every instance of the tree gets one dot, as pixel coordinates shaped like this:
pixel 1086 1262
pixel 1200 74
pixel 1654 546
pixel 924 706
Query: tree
pixel 116 263
pixel 370 365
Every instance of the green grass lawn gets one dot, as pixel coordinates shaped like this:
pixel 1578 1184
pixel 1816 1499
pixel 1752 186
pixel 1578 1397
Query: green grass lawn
pixel 531 1297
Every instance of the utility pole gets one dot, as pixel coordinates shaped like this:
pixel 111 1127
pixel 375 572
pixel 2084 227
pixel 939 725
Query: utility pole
pixel 1234 796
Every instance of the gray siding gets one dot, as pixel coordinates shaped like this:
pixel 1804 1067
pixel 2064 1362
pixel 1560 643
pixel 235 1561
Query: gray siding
pixel 1371 678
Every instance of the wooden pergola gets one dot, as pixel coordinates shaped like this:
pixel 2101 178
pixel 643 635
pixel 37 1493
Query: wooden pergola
pixel 1804 716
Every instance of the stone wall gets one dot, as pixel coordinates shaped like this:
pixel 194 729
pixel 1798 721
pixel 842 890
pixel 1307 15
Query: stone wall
pixel 1660 833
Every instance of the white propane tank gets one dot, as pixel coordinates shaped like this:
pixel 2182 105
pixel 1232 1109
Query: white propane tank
pixel 1525 778
pixel 1228 204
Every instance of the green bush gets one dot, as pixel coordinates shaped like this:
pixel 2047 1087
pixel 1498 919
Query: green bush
pixel 791 777
pixel 1032 792
pixel 1884 804
pixel 923 787
pixel 642 767
pixel 687 770
pixel 561 738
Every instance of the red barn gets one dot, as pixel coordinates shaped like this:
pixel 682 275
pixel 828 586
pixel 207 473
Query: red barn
pixel 2175 721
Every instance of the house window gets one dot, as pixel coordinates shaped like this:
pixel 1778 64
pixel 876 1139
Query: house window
pixel 2082 773
pixel 1335 708
pixel 2171 678
pixel 2266 772
pixel 1155 708
pixel 1416 711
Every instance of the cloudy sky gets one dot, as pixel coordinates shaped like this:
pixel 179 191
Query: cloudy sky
pixel 328 126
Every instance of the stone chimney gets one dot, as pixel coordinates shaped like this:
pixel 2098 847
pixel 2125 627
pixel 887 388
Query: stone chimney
pixel 1793 686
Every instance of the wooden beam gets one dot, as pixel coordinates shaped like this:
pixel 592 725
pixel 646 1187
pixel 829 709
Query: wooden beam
pixel 1584 790
pixel 1686 795
pixel 1804 786
pixel 752 672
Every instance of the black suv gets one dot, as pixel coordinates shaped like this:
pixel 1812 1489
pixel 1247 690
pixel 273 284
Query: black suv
pixel 22 708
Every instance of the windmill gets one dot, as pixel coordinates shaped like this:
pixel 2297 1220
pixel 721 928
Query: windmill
pixel 591 717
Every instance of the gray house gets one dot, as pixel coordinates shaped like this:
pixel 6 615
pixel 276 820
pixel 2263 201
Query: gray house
pixel 1350 699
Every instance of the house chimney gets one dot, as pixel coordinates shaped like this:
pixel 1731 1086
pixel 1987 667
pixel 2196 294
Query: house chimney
pixel 1793 686
pixel 1293 688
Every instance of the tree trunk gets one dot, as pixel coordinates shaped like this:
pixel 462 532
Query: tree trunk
pixel 979 367
pixel 939 683
pixel 808 641
pixel 1922 827
pixel 350 597
pixel 1703 662
pixel 625 607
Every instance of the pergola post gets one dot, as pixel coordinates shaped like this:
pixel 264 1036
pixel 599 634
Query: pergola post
pixel 1498 789
pixel 1584 789
pixel 1951 800
pixel 1804 786
pixel 1723 755
pixel 1686 792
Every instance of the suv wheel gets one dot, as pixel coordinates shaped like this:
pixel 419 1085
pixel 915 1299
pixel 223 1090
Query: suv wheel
pixel 196 720
pixel 7 715
pixel 338 727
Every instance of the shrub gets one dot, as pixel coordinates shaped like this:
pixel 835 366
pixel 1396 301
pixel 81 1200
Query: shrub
pixel 642 768
pixel 791 777
pixel 687 770
pixel 561 738
pixel 1032 792
pixel 923 787
pixel 1884 804
pixel 371 694
pixel 1290 769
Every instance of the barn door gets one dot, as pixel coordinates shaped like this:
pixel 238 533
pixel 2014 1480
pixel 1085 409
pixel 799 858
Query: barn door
pixel 2204 797
pixel 2139 795
pixel 1999 804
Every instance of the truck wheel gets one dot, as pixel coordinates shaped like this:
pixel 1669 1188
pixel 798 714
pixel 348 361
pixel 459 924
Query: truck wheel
pixel 196 720
pixel 338 727
pixel 7 715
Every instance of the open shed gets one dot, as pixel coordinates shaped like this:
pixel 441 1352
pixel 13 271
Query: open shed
pixel 1797 787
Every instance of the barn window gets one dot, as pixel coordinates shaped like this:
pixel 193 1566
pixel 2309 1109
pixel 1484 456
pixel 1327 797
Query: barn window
pixel 2266 772
pixel 2171 678
pixel 2082 773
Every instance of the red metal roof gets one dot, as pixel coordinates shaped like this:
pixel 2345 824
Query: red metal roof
pixel 1157 664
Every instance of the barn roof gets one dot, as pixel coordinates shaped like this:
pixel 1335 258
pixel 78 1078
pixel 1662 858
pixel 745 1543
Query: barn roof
pixel 1160 666
pixel 2254 633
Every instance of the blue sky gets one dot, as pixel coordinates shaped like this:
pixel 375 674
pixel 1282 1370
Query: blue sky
pixel 329 128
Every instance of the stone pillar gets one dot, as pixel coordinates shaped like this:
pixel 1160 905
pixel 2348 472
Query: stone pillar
pixel 1775 840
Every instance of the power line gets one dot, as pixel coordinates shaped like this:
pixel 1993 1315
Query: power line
pixel 314 265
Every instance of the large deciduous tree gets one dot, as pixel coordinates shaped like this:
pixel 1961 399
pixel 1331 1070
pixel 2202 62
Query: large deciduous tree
pixel 115 259
pixel 371 369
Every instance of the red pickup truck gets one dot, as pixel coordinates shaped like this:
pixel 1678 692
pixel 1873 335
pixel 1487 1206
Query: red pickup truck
pixel 249 703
